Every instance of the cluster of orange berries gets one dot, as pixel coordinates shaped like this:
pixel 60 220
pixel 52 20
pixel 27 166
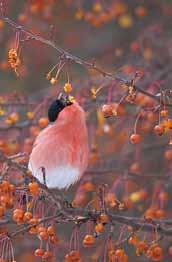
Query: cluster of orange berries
pixel 42 7
pixel 100 14
pixel 165 125
pixel 154 251
pixel 43 233
pixel 14 60
pixel 153 213
pixel 9 147
pixel 12 119
pixel 7 196
pixel 117 255
pixel 90 239
pixel 46 234
pixel 159 129
pixel 20 216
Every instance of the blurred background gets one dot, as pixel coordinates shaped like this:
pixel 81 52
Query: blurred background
pixel 122 37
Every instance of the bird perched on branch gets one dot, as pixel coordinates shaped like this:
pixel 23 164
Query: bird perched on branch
pixel 61 149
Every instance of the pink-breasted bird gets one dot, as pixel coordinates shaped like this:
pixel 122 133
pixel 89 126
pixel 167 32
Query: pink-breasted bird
pixel 61 148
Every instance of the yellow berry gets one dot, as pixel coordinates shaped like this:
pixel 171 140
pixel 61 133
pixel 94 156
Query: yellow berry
pixel 53 81
pixel 68 88
pixel 30 115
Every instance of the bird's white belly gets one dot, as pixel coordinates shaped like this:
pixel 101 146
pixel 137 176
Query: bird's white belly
pixel 61 177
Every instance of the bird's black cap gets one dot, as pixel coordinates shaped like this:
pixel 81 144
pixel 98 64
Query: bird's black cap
pixel 57 106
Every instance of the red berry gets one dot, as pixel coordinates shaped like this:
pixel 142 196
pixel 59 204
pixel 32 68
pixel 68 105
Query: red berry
pixel 135 138
pixel 39 252
pixel 159 130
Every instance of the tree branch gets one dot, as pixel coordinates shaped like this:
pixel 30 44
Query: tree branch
pixel 71 58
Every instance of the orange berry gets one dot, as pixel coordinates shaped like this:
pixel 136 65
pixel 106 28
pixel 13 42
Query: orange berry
pixel 141 11
pixel 39 252
pixel 88 186
pixel 33 221
pixel 68 88
pixel 104 219
pixel 133 240
pixel 157 253
pixel 89 240
pixel 168 154
pixel 34 188
pixel 51 231
pixel 150 213
pixel 125 21
pixel 43 235
pixel 18 213
pixel 43 122
pixel 159 214
pixel 27 216
pixel 47 255
pixel 119 253
pixel 74 255
pixel 107 110
pixel 135 138
pixel 97 7
pixel 114 109
pixel 30 115
pixel 53 81
pixel 164 113
pixel 142 246
pixel 54 240
pixel 34 131
pixel 159 130
pixel 118 109
pixel 23 18
pixel 41 229
pixel 33 230
pixel 135 168
pixel 14 117
pixel 111 255
pixel 99 228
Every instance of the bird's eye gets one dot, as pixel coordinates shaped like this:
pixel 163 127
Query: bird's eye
pixel 55 108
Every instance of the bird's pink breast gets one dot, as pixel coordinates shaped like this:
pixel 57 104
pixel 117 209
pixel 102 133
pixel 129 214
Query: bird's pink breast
pixel 62 149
